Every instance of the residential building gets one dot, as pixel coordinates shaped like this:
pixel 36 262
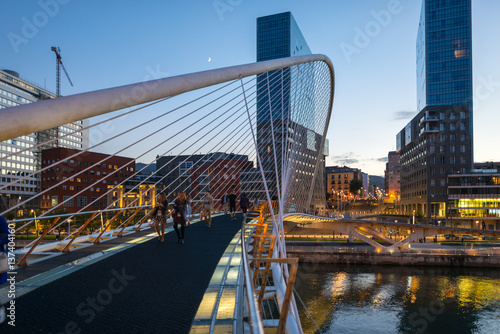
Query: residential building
pixel 15 91
pixel 175 171
pixel 438 141
pixel 219 177
pixel 392 177
pixel 86 176
pixel 338 180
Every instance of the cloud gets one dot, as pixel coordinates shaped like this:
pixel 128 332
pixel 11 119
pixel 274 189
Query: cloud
pixel 383 159
pixel 344 159
pixel 399 115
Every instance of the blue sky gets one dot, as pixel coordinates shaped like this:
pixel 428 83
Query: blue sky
pixel 112 43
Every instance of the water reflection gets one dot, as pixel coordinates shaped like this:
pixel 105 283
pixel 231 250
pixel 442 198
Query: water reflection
pixel 376 299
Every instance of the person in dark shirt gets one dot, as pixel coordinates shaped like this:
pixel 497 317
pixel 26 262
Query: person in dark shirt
pixel 244 203
pixel 232 205
pixel 179 216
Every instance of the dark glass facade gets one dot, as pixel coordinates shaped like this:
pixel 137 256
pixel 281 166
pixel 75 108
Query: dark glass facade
pixel 438 142
pixel 444 53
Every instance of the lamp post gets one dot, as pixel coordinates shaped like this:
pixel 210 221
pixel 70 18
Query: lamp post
pixel 413 217
pixel 36 224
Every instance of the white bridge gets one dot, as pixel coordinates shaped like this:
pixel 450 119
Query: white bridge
pixel 272 115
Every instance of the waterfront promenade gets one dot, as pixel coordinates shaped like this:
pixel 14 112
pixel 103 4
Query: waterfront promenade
pixel 150 287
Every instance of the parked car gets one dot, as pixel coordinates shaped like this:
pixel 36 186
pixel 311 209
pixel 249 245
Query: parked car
pixel 468 237
pixel 450 237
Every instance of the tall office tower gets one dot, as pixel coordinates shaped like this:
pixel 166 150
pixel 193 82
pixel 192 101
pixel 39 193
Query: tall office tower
pixel 15 91
pixel 438 141
pixel 279 36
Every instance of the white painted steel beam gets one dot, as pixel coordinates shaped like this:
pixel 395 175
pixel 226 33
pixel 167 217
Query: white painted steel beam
pixel 34 117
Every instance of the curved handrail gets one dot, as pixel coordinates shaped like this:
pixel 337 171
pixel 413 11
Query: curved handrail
pixel 62 110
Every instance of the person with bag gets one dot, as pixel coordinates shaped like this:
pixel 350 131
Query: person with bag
pixel 207 207
pixel 160 215
pixel 179 216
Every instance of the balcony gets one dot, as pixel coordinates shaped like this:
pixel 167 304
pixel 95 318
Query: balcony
pixel 428 118
pixel 428 129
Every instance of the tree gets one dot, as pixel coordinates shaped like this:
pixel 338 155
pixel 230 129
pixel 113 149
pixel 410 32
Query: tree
pixel 355 185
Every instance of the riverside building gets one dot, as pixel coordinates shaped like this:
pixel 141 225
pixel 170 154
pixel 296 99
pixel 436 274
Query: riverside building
pixel 438 141
pixel 279 36
pixel 15 91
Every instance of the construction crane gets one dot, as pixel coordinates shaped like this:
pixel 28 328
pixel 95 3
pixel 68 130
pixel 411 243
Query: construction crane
pixel 58 70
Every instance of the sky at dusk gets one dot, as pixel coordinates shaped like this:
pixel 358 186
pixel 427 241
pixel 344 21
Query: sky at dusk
pixel 113 43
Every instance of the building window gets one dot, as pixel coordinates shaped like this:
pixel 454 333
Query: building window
pixel 442 170
pixel 441 115
pixel 452 148
pixel 452 137
pixel 441 127
pixel 452 159
pixel 69 200
pixel 81 201
pixel 94 201
pixel 462 126
pixel 462 115
pixel 462 137
pixel 443 182
pixel 462 148
pixel 452 126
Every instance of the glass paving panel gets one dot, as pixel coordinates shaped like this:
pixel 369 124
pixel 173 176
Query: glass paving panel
pixel 207 304
pixel 226 304
pixel 217 276
pixel 232 276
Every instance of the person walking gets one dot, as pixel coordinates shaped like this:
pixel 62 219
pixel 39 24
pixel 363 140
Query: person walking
pixel 179 215
pixel 160 215
pixel 483 225
pixel 208 201
pixel 188 209
pixel 244 203
pixel 224 202
pixel 232 205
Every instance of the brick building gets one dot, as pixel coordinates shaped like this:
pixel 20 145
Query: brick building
pixel 88 173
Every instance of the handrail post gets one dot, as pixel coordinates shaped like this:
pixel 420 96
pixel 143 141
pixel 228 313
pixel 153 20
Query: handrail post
pixel 97 240
pixel 66 249
pixel 24 261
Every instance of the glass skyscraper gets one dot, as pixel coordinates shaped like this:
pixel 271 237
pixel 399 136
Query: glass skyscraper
pixel 444 54
pixel 279 36
pixel 438 141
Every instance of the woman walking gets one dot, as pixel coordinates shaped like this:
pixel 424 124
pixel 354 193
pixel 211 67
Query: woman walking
pixel 160 215
pixel 188 209
pixel 179 213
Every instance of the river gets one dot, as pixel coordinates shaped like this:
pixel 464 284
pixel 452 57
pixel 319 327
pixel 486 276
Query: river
pixel 383 299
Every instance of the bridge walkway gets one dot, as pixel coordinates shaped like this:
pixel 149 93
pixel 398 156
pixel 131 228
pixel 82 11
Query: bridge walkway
pixel 152 287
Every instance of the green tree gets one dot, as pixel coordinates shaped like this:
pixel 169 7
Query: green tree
pixel 355 185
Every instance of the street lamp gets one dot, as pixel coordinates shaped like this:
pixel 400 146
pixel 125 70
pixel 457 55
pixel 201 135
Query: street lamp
pixel 36 225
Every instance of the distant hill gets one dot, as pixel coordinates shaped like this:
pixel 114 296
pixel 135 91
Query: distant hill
pixel 148 170
pixel 378 181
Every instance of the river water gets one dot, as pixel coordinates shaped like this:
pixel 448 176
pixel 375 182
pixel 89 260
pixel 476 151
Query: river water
pixel 383 299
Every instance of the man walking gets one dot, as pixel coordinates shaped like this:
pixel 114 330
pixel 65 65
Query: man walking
pixel 232 205
pixel 224 202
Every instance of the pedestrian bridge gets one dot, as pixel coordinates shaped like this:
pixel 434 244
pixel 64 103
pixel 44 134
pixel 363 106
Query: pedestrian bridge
pixel 399 236
pixel 257 129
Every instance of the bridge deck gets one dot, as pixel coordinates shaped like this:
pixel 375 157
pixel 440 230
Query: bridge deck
pixel 151 287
